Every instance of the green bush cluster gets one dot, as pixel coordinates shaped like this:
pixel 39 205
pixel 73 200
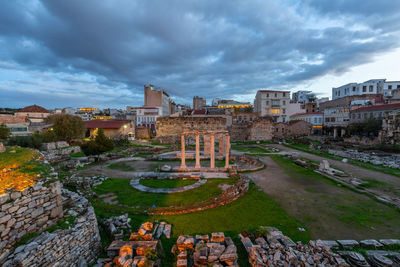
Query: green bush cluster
pixel 98 145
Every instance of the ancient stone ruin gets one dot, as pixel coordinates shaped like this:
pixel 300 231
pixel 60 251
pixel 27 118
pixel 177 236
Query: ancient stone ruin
pixel 201 251
pixel 209 149
pixel 275 249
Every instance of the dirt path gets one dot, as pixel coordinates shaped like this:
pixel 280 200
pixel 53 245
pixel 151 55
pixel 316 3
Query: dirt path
pixel 322 207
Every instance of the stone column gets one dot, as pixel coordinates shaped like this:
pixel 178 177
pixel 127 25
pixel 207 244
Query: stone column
pixel 227 148
pixel 212 151
pixel 335 132
pixel 183 156
pixel 206 145
pixel 197 166
pixel 221 146
pixel 343 132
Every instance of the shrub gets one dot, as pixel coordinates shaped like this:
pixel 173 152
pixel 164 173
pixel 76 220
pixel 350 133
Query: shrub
pixel 4 132
pixel 98 145
pixel 32 141
pixel 66 127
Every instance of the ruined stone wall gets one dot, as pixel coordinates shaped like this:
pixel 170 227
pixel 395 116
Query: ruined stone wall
pixel 74 246
pixel 239 132
pixel 261 130
pixel 292 130
pixel 31 210
pixel 142 132
pixel 390 132
pixel 168 127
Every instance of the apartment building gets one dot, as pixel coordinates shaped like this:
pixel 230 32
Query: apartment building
pixel 198 102
pixel 157 98
pixel 374 86
pixel 378 112
pixel 273 103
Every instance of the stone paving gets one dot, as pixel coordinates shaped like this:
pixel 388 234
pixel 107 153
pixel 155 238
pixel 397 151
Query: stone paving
pixel 135 183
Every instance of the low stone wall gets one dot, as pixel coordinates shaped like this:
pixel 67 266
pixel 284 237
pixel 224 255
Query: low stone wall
pixel 75 246
pixel 251 164
pixel 31 210
pixel 54 145
pixel 229 194
pixel 60 154
pixel 362 140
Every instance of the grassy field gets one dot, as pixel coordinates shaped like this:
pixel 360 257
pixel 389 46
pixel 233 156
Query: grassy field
pixel 25 168
pixel 127 195
pixel 378 168
pixel 166 183
pixel 323 204
pixel 247 213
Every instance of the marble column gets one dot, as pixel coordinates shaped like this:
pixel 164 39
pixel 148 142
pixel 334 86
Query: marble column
pixel 342 132
pixel 197 166
pixel 221 146
pixel 183 156
pixel 212 151
pixel 227 148
pixel 335 132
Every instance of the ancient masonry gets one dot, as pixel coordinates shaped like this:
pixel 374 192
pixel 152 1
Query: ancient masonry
pixel 77 245
pixel 31 210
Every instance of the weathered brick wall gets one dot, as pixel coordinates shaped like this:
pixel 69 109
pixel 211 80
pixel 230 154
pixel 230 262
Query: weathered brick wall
pixel 31 210
pixel 74 246
pixel 292 130
pixel 142 132
pixel 174 126
pixel 239 132
pixel 261 130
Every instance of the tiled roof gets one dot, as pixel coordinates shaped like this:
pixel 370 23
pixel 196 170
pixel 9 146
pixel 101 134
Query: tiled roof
pixel 199 112
pixel 301 114
pixel 105 124
pixel 379 107
pixel 34 108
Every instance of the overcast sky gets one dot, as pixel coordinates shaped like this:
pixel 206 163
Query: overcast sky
pixel 100 53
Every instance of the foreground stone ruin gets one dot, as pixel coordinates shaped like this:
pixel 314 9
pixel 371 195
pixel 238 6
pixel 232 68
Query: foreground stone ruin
pixel 202 251
pixel 276 249
pixel 392 160
pixel 77 245
pixel 143 248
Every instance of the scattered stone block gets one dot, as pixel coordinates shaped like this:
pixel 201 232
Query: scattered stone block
pixel 370 242
pixel 389 242
pixel 348 243
pixel 331 244
pixel 218 237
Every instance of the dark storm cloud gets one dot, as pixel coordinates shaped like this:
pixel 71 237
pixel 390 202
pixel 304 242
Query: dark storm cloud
pixel 107 50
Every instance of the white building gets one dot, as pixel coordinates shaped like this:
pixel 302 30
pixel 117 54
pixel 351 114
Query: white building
pixel 389 86
pixel 303 97
pixel 315 118
pixel 273 103
pixel 374 86
pixel 147 116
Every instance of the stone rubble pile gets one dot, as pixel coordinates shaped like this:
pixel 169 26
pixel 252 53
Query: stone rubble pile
pixel 392 161
pixel 152 231
pixel 276 249
pixel 117 226
pixel 200 251
pixel 84 185
pixel 132 253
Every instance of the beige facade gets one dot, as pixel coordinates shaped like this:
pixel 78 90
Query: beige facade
pixel 198 102
pixel 273 103
pixel 157 98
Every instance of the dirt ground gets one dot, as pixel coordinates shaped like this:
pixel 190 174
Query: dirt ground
pixel 327 210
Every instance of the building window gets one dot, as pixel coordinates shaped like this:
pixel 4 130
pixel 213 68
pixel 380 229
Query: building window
pixel 276 102
pixel 276 95
pixel 371 88
pixel 267 102
pixel 364 88
pixel 390 87
pixel 275 111
pixel 283 111
pixel 267 95
pixel 354 88
pixel 398 86
pixel 283 102
pixel 284 94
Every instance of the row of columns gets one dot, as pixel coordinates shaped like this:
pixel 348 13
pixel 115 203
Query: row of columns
pixel 212 150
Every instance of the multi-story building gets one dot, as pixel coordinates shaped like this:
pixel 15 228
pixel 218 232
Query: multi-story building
pixel 389 87
pixel 315 118
pixel 157 98
pixel 228 104
pixel 303 97
pixel 147 116
pixel 273 103
pixel 378 112
pixel 87 113
pixel 198 102
pixel 375 86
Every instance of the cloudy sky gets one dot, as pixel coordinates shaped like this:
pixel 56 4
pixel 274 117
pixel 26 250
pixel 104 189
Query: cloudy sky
pixel 100 53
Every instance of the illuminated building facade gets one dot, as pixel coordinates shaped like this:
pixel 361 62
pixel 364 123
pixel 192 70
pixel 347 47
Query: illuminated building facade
pixel 273 103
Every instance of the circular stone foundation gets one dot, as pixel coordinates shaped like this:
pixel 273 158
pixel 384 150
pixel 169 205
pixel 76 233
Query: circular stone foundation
pixel 135 183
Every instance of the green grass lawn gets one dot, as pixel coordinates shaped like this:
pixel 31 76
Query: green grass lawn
pixel 21 157
pixel 121 166
pixel 247 213
pixel 166 183
pixel 77 155
pixel 127 195
pixel 249 149
pixel 323 197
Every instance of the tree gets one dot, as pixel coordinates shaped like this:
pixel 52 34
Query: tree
pixel 4 132
pixel 98 145
pixel 67 127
